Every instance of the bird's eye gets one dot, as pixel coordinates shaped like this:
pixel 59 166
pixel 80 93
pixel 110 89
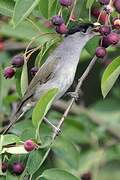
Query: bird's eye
pixel 84 31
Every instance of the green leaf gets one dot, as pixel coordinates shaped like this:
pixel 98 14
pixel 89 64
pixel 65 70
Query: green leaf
pixel 9 139
pixel 24 79
pixel 33 162
pixel 6 7
pixel 53 174
pixel 1 76
pixel 1 173
pixel 10 176
pixel 15 150
pixel 18 78
pixel 89 159
pixel 89 3
pixel 44 53
pixel 110 76
pixel 28 133
pixel 21 31
pixel 39 56
pixel 22 9
pixel 1 142
pixel 43 106
pixel 61 148
pixel 43 8
pixel 52 9
pixel 91 45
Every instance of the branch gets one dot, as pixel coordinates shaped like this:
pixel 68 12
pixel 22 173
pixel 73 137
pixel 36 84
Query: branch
pixel 14 46
pixel 114 131
pixel 80 82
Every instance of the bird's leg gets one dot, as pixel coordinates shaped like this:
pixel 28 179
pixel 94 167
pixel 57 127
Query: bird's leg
pixel 52 125
pixel 73 95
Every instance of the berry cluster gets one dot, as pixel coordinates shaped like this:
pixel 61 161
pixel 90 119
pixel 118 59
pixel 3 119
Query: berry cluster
pixel 17 167
pixel 108 38
pixel 58 21
pixel 108 32
pixel 17 62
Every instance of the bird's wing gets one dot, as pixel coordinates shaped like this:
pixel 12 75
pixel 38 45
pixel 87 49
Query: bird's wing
pixel 41 77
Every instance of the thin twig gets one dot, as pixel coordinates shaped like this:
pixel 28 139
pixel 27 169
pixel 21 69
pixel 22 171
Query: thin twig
pixel 73 8
pixel 92 116
pixel 80 82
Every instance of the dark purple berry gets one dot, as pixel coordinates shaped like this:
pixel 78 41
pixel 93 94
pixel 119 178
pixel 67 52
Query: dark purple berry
pixel 104 42
pixel 57 20
pixel 66 2
pixel 17 168
pixel 86 176
pixel 34 70
pixel 113 38
pixel 104 2
pixel 18 61
pixel 100 52
pixel 62 29
pixel 29 145
pixel 117 5
pixel 9 72
pixel 103 16
pixel 105 30
pixel 4 167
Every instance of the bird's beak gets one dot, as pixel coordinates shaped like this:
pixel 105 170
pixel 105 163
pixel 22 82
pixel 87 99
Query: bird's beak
pixel 96 27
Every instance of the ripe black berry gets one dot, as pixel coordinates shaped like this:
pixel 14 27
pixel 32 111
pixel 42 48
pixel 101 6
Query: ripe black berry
pixel 18 61
pixel 29 145
pixel 104 42
pixel 105 30
pixel 4 167
pixel 66 2
pixel 9 72
pixel 33 71
pixel 86 176
pixel 104 2
pixel 62 29
pixel 17 168
pixel 100 52
pixel 57 20
pixel 113 38
pixel 117 5
pixel 103 15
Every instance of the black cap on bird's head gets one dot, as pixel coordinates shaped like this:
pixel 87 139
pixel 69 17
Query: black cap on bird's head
pixel 83 28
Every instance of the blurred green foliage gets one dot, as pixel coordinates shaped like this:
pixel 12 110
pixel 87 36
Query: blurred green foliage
pixel 89 141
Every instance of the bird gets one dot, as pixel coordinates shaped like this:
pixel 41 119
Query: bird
pixel 59 69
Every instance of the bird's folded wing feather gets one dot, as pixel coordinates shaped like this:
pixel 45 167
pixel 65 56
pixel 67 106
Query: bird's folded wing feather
pixel 41 77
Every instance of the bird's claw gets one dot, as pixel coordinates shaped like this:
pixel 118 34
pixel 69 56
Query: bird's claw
pixel 73 95
pixel 57 130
